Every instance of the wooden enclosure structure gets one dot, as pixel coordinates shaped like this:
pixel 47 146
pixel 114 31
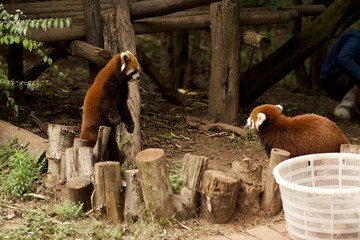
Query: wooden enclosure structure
pixel 159 16
pixel 119 22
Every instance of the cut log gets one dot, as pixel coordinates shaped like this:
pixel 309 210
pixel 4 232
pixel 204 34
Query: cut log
pixel 192 173
pixel 78 142
pixel 133 195
pixel 218 196
pixel 107 190
pixel 79 162
pixel 255 40
pixel 350 148
pixel 89 52
pixel 271 199
pixel 155 183
pixel 249 172
pixel 61 137
pixel 101 143
pixel 79 190
pixel 37 145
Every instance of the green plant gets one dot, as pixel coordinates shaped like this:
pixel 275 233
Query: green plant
pixel 14 29
pixel 69 210
pixel 18 169
pixel 39 226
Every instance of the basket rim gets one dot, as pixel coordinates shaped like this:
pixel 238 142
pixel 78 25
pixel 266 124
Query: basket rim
pixel 313 190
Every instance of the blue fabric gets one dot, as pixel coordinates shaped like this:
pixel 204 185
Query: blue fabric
pixel 343 57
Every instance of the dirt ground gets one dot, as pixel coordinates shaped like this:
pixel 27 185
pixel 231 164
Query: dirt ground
pixel 61 104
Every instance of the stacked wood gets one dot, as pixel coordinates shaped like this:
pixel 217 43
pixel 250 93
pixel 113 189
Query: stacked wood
pixel 133 195
pixel 249 173
pixel 192 174
pixel 107 190
pixel 36 145
pixel 218 196
pixel 271 199
pixel 61 137
pixel 155 183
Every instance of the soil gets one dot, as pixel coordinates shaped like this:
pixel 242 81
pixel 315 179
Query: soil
pixel 163 125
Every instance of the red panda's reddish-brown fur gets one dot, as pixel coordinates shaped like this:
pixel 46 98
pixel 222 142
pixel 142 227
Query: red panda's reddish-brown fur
pixel 299 135
pixel 105 102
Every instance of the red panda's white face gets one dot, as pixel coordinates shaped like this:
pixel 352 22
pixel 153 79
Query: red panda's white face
pixel 129 65
pixel 260 114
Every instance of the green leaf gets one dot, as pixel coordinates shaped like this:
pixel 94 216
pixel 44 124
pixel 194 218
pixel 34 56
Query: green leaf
pixel 61 24
pixel 25 43
pixel 49 23
pixel 56 23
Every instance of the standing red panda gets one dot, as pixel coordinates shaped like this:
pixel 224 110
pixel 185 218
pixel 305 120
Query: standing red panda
pixel 105 102
pixel 299 135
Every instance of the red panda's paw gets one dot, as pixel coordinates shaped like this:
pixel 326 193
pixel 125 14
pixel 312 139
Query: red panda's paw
pixel 130 127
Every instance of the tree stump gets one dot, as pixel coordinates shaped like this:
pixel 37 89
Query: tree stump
pixel 78 142
pixel 250 175
pixel 133 195
pixel 79 190
pixel 107 189
pixel 349 148
pixel 155 183
pixel 218 196
pixel 101 143
pixel 192 173
pixel 79 162
pixel 60 138
pixel 271 199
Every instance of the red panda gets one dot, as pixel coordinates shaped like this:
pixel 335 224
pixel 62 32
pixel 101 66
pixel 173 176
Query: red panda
pixel 299 135
pixel 105 102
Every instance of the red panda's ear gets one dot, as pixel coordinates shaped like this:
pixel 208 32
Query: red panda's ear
pixel 279 107
pixel 260 118
pixel 124 56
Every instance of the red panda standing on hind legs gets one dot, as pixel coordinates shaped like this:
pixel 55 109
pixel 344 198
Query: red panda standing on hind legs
pixel 105 102
pixel 299 135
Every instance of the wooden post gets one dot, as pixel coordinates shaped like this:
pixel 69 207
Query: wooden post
pixel 93 30
pixel 61 137
pixel 101 143
pixel 155 183
pixel 167 57
pixel 192 173
pixel 133 195
pixel 225 61
pixel 350 148
pixel 218 196
pixel 107 189
pixel 79 190
pixel 119 35
pixel 79 162
pixel 250 175
pixel 271 199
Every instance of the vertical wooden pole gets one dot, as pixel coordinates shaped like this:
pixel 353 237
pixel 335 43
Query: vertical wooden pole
pixel 225 61
pixel 94 31
pixel 167 57
pixel 271 199
pixel 120 36
pixel 133 195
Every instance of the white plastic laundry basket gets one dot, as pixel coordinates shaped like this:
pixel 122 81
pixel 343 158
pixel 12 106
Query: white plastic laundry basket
pixel 321 195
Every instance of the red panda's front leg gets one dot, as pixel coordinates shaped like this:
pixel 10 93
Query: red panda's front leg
pixel 127 118
pixel 108 108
